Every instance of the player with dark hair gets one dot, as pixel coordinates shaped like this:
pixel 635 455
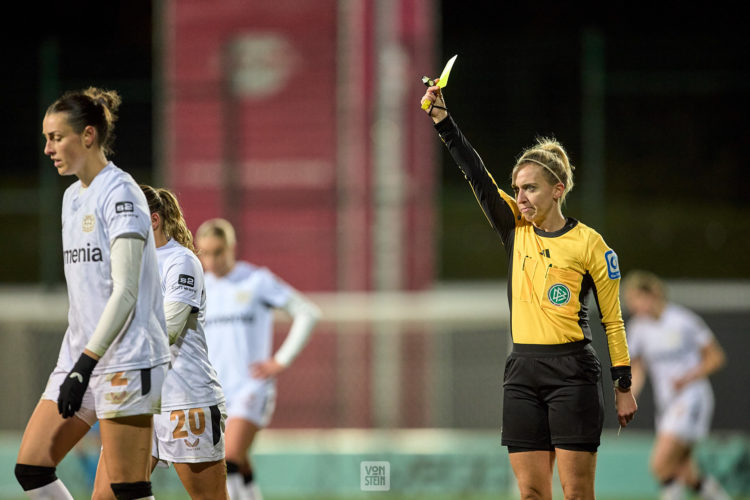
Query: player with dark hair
pixel 552 399
pixel 115 352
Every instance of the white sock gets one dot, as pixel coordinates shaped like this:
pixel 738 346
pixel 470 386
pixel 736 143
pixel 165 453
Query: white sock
pixel 55 490
pixel 673 491
pixel 253 491
pixel 236 487
pixel 712 490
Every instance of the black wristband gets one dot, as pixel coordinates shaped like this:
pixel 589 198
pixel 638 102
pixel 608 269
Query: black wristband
pixel 74 386
pixel 620 371
pixel 85 364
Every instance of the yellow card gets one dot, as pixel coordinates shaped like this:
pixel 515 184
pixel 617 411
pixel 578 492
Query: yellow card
pixel 446 72
pixel 443 78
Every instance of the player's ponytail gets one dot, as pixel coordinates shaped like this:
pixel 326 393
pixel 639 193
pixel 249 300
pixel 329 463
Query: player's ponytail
pixel 94 107
pixel 174 223
pixel 551 155
pixel 163 202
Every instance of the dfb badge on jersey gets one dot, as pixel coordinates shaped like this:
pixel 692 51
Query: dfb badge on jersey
pixel 613 265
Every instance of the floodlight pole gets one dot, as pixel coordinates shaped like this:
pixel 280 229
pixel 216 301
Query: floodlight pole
pixel 593 128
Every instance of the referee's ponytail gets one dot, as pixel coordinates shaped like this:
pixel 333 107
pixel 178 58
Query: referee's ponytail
pixel 163 202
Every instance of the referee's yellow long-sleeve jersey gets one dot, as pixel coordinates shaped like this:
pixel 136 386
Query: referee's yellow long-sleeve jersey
pixel 550 273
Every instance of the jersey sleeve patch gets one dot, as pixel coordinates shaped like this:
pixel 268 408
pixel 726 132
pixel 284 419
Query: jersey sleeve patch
pixel 125 211
pixel 186 280
pixel 182 280
pixel 124 206
pixel 613 265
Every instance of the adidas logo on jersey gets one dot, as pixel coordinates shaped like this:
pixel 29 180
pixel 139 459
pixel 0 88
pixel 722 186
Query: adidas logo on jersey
pixel 87 254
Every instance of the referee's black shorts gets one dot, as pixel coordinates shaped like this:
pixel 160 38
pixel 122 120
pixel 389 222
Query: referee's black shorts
pixel 552 398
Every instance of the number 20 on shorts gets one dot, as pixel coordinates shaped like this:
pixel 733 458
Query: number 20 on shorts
pixel 194 418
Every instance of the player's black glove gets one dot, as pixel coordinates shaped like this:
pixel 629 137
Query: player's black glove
pixel 74 386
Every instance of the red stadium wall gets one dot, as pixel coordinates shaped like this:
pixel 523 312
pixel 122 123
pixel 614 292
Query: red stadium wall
pixel 268 122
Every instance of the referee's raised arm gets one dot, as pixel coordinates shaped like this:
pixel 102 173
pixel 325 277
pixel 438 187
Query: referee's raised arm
pixel 499 207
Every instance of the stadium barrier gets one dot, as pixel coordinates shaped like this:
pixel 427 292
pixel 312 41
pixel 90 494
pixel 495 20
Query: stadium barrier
pixel 410 379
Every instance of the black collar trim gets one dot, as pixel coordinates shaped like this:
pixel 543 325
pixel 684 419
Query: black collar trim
pixel 570 223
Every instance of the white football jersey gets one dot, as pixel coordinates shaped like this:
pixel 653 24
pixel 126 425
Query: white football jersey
pixel 239 322
pixel 191 382
pixel 670 347
pixel 112 206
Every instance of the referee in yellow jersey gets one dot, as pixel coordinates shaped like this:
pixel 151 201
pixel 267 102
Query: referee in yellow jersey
pixel 552 398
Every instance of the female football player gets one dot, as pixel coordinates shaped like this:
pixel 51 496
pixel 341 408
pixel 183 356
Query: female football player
pixel 115 352
pixel 239 328
pixel 189 431
pixel 680 352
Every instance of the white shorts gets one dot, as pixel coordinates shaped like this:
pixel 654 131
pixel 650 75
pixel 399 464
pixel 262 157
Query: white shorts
pixel 189 436
pixel 117 394
pixel 255 403
pixel 688 416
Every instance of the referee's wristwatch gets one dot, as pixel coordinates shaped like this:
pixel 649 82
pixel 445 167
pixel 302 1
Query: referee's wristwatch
pixel 623 383
pixel 622 378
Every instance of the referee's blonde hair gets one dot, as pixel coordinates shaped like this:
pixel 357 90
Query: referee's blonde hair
pixel 220 228
pixel 549 154
pixel 163 202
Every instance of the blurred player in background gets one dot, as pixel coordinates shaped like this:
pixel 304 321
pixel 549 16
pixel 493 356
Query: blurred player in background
pixel 680 352
pixel 115 352
pixel 552 399
pixel 189 431
pixel 239 327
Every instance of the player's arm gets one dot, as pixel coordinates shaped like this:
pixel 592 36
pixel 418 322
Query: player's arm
pixel 713 359
pixel 305 315
pixel 125 262
pixel 638 370
pixel 125 257
pixel 183 286
pixel 499 208
pixel 176 315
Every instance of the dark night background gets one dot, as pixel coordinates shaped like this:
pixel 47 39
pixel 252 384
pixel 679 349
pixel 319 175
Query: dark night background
pixel 675 109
